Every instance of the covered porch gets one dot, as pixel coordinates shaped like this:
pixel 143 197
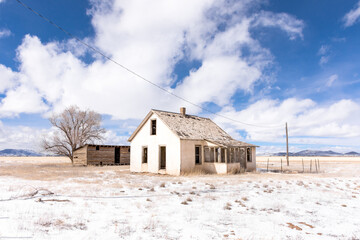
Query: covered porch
pixel 231 158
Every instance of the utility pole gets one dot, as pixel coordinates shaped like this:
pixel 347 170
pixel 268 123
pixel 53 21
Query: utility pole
pixel 287 144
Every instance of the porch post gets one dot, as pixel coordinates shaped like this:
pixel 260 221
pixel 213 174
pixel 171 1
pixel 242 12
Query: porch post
pixel 219 154
pixel 226 158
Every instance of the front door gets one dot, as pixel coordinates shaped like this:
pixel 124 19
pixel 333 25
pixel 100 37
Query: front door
pixel 162 157
pixel 117 155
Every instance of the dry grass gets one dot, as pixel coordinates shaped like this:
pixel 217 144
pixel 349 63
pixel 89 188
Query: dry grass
pixel 194 172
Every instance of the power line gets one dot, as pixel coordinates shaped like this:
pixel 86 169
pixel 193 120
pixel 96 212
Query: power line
pixel 136 74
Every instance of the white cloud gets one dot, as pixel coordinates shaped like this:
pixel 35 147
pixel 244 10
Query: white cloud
pixel 4 32
pixel 324 52
pixel 324 49
pixel 8 78
pixel 308 122
pixel 20 137
pixel 324 60
pixel 331 80
pixel 52 75
pixel 352 17
pixel 291 25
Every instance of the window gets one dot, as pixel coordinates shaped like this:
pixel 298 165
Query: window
pixel 248 154
pixel 153 127
pixel 145 155
pixel 217 154
pixel 197 154
pixel 231 155
pixel 207 154
pixel 237 155
pixel 97 148
pixel 211 154
pixel 222 155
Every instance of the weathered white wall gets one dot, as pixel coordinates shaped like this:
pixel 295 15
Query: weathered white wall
pixel 251 166
pixel 164 137
pixel 188 155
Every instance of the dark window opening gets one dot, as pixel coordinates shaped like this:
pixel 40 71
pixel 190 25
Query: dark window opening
pixel 117 155
pixel 97 148
pixel 223 155
pixel 197 154
pixel 162 157
pixel 145 155
pixel 217 154
pixel 153 127
pixel 248 154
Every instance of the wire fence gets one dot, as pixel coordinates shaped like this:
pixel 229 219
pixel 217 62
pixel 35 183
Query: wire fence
pixel 299 166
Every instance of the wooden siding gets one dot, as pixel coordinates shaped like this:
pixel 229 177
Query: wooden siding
pixel 103 156
pixel 80 156
pixel 125 155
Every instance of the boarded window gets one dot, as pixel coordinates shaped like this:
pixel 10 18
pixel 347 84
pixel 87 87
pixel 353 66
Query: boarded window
pixel 222 155
pixel 145 155
pixel 153 127
pixel 248 154
pixel 197 154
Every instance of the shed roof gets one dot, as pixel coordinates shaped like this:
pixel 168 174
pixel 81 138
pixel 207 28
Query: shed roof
pixel 101 145
pixel 190 127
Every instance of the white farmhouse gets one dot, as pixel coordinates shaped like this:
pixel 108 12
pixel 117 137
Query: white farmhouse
pixel 175 143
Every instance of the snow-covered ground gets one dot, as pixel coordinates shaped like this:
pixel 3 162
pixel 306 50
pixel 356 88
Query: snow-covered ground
pixel 49 199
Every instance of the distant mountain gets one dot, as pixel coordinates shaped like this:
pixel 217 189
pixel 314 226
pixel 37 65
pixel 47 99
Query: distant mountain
pixel 19 153
pixel 316 153
pixel 352 154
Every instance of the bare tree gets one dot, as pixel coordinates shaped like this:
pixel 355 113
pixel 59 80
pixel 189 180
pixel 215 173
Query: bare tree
pixel 74 128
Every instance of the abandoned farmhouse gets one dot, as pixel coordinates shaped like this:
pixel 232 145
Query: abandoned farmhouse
pixel 102 155
pixel 175 143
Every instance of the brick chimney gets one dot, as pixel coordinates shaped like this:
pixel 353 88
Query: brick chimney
pixel 183 111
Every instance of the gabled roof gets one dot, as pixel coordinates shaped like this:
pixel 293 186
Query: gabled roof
pixel 190 127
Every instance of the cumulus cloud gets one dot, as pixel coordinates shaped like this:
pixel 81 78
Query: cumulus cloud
pixel 336 122
pixel 4 32
pixel 216 33
pixel 8 78
pixel 21 137
pixel 353 16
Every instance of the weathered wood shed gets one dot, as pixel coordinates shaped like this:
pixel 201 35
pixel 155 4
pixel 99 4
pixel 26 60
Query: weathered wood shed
pixel 91 154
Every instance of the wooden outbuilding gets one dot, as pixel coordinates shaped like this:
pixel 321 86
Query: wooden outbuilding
pixel 91 154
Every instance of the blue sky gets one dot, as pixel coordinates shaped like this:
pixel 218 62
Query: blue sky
pixel 259 62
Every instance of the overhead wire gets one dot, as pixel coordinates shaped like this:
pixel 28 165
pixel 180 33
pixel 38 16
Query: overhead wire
pixel 138 75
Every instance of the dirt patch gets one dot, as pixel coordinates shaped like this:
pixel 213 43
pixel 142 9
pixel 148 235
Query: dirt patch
pixel 304 223
pixel 292 226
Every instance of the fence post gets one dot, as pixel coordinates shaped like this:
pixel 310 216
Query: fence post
pixel 319 164
pixel 267 166
pixel 303 164
pixel 310 165
pixel 281 164
pixel 316 166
